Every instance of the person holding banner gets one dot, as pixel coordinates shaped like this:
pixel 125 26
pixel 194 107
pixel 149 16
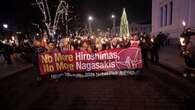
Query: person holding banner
pixel 98 44
pixel 65 44
pixel 114 43
pixel 135 41
pixel 38 49
pixel 51 47
pixel 86 46
pixel 125 43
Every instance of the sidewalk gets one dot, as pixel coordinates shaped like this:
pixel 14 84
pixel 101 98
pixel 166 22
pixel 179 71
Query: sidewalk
pixel 170 59
pixel 18 66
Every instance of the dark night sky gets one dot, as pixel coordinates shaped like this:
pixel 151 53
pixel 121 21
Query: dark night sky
pixel 137 10
pixel 21 11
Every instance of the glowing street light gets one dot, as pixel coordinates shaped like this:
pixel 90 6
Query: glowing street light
pixel 90 18
pixel 113 16
pixel 5 26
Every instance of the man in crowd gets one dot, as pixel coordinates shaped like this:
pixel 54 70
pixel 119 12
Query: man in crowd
pixel 154 50
pixel 1 49
pixel 51 46
pixel 38 49
pixel 144 49
pixel 190 56
pixel 161 39
pixel 7 51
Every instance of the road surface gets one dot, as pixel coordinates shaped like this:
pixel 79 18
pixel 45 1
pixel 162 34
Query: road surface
pixel 157 89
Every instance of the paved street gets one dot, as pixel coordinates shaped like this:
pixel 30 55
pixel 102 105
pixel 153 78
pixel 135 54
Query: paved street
pixel 157 90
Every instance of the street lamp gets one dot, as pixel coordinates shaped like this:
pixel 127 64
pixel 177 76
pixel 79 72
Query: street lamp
pixel 113 16
pixel 90 20
pixel 114 24
pixel 184 24
pixel 5 26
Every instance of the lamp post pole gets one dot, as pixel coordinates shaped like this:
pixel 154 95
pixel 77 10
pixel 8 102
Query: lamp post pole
pixel 114 25
pixel 90 20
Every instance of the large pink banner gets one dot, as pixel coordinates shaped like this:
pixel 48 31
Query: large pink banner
pixel 81 61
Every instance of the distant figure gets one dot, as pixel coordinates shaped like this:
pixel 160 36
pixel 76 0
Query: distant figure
pixel 160 39
pixel 144 49
pixel 2 50
pixel 8 50
pixel 154 50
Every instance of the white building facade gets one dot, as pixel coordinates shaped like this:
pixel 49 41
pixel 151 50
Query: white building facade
pixel 168 16
pixel 133 27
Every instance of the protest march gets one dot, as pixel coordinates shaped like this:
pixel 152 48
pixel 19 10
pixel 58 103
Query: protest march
pixel 83 58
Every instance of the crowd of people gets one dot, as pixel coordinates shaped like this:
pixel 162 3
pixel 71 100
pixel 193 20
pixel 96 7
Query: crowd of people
pixel 149 45
pixel 187 40
pixel 6 52
pixel 9 52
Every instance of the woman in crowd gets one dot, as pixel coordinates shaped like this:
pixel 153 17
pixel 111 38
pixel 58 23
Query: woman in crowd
pixel 98 44
pixel 86 46
pixel 51 46
pixel 93 44
pixel 135 42
pixel 114 43
pixel 125 43
pixel 65 44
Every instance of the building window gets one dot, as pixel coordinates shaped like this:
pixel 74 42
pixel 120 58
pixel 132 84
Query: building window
pixel 171 13
pixel 161 16
pixel 165 15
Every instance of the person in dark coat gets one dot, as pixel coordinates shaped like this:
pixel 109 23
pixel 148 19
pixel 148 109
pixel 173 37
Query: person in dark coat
pixel 160 39
pixel 154 50
pixel 2 50
pixel 144 49
pixel 37 49
pixel 8 50
pixel 190 53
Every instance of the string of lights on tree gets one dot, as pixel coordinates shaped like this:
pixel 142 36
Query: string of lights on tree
pixel 62 13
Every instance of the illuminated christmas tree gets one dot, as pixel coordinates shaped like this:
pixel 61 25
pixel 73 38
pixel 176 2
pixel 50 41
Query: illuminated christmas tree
pixel 124 26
